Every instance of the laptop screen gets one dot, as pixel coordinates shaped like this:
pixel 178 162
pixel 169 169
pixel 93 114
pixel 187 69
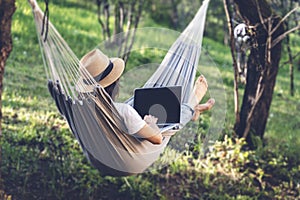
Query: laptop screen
pixel 161 102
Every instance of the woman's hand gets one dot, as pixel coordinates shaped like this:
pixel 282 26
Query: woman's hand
pixel 151 132
pixel 149 119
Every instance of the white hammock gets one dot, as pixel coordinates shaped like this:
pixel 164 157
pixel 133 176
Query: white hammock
pixel 92 117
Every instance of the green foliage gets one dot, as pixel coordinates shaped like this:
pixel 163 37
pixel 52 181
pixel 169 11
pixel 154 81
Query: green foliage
pixel 229 172
pixel 162 12
pixel 146 56
pixel 139 188
pixel 177 14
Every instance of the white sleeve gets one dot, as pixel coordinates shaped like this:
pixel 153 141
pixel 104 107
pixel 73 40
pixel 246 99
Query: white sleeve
pixel 132 119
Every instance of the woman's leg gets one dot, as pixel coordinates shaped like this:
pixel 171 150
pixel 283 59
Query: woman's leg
pixel 192 110
pixel 202 107
pixel 188 114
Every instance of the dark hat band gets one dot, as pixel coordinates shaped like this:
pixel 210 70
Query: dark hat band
pixel 102 75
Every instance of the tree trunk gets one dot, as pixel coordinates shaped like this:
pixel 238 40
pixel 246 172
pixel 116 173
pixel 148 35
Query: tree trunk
pixel 7 8
pixel 263 66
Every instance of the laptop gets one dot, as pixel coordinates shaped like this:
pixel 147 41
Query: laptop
pixel 161 102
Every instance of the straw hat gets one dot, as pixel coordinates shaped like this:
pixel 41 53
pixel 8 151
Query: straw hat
pixel 104 70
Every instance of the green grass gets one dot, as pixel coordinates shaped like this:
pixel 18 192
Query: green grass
pixel 41 158
pixel 283 123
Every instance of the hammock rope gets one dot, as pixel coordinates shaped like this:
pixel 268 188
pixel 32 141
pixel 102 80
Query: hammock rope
pixel 92 116
pixel 45 20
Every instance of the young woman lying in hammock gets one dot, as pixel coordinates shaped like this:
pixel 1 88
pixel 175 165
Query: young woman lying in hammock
pixel 107 71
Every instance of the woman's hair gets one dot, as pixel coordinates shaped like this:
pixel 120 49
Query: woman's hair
pixel 113 89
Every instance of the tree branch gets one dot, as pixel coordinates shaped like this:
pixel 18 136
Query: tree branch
pixel 293 57
pixel 283 19
pixel 282 36
pixel 249 117
pixel 260 16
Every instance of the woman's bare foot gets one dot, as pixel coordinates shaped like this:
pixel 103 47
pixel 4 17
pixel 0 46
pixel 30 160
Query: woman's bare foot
pixel 199 90
pixel 202 107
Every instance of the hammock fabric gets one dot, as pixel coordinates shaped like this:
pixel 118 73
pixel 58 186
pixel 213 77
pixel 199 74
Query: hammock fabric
pixel 92 117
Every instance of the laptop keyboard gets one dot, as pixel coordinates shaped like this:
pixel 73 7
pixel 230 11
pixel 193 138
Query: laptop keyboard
pixel 172 126
pixel 162 125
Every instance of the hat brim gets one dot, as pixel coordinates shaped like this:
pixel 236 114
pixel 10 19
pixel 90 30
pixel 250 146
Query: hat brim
pixel 116 72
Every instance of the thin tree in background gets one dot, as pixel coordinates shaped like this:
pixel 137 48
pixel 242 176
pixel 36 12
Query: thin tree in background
pixel 291 63
pixel 7 9
pixel 126 19
pixel 227 5
pixel 289 49
pixel 285 6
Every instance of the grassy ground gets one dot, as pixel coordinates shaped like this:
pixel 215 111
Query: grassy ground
pixel 41 159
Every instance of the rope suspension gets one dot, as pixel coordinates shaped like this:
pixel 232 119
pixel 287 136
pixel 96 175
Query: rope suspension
pixel 45 20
